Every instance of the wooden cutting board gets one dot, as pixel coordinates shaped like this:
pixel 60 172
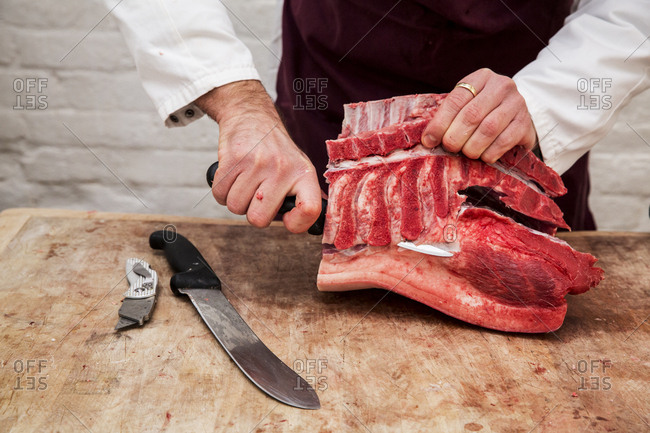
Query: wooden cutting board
pixel 379 364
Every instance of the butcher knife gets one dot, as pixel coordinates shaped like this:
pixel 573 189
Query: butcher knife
pixel 439 250
pixel 198 281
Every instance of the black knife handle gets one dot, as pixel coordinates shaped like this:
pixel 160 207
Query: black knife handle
pixel 212 170
pixel 288 204
pixel 193 271
pixel 319 226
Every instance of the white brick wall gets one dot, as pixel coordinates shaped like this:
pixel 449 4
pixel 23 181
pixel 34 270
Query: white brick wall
pixel 95 92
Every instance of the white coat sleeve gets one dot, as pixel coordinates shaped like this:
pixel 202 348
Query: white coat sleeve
pixel 182 50
pixel 590 69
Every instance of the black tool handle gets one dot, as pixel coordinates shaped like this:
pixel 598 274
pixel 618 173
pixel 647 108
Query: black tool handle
pixel 288 204
pixel 193 272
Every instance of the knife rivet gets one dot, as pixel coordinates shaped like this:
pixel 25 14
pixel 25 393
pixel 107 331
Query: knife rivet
pixel 189 113
pixel 173 118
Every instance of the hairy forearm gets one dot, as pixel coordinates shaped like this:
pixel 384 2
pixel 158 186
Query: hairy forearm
pixel 237 98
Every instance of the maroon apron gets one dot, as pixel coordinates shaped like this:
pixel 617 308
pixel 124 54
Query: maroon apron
pixel 341 51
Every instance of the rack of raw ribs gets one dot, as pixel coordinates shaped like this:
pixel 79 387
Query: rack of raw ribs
pixel 507 271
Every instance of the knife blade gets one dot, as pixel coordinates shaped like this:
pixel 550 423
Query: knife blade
pixel 196 279
pixel 318 227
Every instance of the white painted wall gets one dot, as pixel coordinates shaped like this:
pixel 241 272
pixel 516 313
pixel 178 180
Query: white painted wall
pixel 99 145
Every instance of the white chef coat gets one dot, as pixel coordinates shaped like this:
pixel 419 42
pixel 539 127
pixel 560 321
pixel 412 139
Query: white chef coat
pixel 590 69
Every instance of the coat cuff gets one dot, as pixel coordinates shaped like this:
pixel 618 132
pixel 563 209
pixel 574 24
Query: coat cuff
pixel 179 108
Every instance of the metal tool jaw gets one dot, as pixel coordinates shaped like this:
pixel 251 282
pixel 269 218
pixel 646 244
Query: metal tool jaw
pixel 140 298
pixel 142 279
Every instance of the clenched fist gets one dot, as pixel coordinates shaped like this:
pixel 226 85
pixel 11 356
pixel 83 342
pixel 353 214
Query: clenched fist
pixel 259 165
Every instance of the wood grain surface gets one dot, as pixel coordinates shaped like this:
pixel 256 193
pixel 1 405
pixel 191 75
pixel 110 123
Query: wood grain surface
pixel 379 362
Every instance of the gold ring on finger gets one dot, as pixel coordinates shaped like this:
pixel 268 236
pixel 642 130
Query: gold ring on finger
pixel 468 87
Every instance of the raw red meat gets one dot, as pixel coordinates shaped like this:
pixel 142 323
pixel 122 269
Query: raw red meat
pixel 508 271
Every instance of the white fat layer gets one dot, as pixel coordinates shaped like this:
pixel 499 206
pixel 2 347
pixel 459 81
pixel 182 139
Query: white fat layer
pixel 395 156
pixel 419 150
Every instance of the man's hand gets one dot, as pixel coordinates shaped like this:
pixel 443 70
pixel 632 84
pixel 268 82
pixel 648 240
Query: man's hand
pixel 259 165
pixel 485 126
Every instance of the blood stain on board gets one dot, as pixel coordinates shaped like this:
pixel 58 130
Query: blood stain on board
pixel 53 252
pixel 168 417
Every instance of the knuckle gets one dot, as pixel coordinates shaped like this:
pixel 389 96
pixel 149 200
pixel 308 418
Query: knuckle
pixel 310 169
pixel 257 165
pixel 519 100
pixel 454 101
pixel 310 173
pixel 520 125
pixel 519 109
pixel 490 127
pixel 506 84
pixel 305 169
pixel 496 151
pixel 257 219
pixel 493 153
pixel 490 157
pixel 474 155
pixel 472 114
pixel 450 144
pixel 277 162
pixel 310 208
pixel 523 116
pixel 235 205
pixel 219 196
pixel 504 142
pixel 303 174
pixel 472 152
pixel 236 154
